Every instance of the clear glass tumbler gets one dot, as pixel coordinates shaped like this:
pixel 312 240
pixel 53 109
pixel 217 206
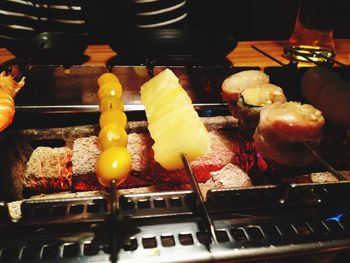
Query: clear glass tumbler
pixel 313 32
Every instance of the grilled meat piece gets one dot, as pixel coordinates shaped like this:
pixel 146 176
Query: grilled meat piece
pixel 282 130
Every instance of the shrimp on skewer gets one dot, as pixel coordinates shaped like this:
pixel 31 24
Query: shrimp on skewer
pixel 8 90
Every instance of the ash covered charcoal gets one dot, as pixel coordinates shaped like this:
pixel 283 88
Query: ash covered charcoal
pixel 86 151
pixel 327 177
pixel 229 176
pixel 145 171
pixel 48 170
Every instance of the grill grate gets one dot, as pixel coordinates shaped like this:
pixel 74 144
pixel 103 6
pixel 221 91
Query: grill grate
pixel 63 210
pixel 262 198
pixel 179 203
pixel 241 237
pixel 167 226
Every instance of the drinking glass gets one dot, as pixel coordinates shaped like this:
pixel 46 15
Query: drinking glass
pixel 312 36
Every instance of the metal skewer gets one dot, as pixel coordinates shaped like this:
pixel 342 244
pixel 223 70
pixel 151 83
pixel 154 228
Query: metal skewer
pixel 200 197
pixel 114 208
pixel 267 55
pixel 114 200
pixel 325 164
pixel 327 58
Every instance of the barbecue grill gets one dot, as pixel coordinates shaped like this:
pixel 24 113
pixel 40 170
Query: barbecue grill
pixel 251 224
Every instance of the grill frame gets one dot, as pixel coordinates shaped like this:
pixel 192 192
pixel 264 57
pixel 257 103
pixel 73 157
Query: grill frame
pixel 154 219
pixel 162 234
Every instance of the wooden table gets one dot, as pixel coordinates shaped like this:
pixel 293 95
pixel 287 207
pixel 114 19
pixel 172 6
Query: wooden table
pixel 242 55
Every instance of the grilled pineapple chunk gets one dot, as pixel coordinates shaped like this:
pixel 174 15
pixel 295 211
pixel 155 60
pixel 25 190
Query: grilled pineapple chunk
pixel 174 124
pixel 158 86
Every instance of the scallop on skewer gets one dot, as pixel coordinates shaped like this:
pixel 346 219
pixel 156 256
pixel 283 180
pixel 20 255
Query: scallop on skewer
pixel 246 93
pixel 283 130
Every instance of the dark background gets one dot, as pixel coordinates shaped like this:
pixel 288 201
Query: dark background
pixel 258 19
pixel 241 19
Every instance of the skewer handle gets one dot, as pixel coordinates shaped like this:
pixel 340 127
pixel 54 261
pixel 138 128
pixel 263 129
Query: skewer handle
pixel 114 200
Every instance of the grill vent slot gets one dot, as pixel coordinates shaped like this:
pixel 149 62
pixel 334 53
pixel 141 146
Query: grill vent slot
pixel 59 210
pixel 232 200
pixel 149 242
pixel 203 238
pixel 143 204
pixel 167 240
pixel 71 250
pixel 48 143
pixel 130 244
pixel 31 253
pixel 318 228
pixel 239 235
pixel 9 254
pixel 76 209
pixel 271 232
pixel 222 236
pixel 159 202
pixel 186 239
pixel 242 236
pixel 90 249
pixel 65 209
pixel 50 252
pixel 162 204
pixel 254 233
pixel 334 226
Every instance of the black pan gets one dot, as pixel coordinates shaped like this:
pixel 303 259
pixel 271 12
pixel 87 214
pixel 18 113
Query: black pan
pixel 174 46
pixel 49 48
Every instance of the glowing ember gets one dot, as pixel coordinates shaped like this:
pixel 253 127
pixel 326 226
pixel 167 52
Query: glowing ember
pixel 36 185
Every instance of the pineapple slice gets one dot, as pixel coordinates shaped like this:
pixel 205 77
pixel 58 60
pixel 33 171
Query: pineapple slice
pixel 168 152
pixel 174 124
pixel 176 98
pixel 171 123
pixel 152 89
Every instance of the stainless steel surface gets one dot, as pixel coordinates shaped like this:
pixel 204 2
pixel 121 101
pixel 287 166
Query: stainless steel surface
pixel 58 109
pixel 172 234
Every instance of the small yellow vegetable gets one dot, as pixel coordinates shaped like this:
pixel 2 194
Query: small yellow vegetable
pixel 107 77
pixel 113 116
pixel 112 135
pixel 110 89
pixel 111 103
pixel 113 164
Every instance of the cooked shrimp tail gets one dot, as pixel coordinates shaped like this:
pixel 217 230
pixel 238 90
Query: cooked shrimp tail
pixel 8 90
